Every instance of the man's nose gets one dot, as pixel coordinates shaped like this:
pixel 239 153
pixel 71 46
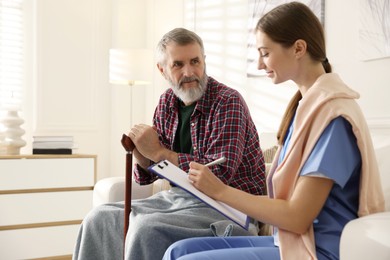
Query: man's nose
pixel 188 70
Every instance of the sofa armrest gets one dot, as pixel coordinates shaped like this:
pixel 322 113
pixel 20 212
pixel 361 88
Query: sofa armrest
pixel 112 189
pixel 366 238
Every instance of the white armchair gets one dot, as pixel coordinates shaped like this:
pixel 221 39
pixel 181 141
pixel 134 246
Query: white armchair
pixel 363 238
pixel 369 237
pixel 112 189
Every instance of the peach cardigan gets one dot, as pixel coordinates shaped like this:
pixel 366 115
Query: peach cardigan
pixel 327 99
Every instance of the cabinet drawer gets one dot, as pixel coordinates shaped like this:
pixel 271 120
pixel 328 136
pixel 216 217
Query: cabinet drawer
pixel 38 242
pixel 21 174
pixel 35 208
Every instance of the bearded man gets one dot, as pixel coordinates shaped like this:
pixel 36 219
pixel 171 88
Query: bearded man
pixel 196 119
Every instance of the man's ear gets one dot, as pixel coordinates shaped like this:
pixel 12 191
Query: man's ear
pixel 300 48
pixel 161 69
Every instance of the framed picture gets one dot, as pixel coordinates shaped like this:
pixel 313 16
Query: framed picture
pixel 374 29
pixel 257 8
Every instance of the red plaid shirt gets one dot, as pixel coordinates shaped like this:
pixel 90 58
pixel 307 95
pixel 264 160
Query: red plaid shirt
pixel 221 125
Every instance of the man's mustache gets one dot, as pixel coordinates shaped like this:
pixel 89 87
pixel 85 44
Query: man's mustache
pixel 188 79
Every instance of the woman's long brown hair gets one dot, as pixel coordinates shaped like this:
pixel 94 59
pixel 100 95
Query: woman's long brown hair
pixel 285 24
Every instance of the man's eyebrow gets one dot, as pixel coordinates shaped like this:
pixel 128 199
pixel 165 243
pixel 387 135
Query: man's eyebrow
pixel 181 61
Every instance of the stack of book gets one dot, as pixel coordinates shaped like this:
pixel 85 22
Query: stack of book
pixel 52 144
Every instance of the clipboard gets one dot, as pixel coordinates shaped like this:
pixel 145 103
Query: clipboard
pixel 178 177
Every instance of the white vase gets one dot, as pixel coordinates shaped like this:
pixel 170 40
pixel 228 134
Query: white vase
pixel 10 140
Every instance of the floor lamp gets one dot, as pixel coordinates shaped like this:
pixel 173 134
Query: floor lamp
pixel 129 67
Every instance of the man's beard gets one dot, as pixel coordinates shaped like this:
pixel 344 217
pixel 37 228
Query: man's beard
pixel 189 95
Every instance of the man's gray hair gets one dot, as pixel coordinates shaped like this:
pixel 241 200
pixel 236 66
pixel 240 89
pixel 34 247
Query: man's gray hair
pixel 180 36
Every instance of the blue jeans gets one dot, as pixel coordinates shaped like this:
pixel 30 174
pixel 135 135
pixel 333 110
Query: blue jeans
pixel 203 248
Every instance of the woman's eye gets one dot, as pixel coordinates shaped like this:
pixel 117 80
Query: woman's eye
pixel 264 55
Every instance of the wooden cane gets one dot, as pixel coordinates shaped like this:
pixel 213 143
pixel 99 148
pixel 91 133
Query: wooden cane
pixel 129 147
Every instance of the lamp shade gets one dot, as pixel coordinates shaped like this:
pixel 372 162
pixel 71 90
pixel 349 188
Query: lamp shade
pixel 130 66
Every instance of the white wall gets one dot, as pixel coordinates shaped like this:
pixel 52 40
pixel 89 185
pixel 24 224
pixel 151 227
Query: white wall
pixel 67 86
pixel 370 78
pixel 67 77
pixel 129 27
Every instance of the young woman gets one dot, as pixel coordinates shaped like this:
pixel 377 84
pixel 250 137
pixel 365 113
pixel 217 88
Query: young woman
pixel 324 173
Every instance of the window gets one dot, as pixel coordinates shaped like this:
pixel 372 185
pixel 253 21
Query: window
pixel 221 24
pixel 11 54
pixel 257 9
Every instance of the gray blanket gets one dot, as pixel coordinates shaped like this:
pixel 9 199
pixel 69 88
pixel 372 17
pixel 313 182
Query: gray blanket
pixel 155 223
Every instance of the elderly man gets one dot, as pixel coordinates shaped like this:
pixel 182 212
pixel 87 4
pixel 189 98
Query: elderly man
pixel 196 119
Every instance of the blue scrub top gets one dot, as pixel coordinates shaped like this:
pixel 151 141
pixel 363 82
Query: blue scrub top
pixel 335 156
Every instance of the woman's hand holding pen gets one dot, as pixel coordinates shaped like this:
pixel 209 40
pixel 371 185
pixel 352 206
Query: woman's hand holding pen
pixel 204 180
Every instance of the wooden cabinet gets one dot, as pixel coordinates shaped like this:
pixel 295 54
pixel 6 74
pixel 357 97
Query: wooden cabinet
pixel 43 199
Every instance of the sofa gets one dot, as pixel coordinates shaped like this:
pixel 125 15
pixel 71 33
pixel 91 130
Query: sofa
pixel 363 238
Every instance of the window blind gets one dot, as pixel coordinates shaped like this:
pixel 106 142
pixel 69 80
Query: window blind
pixel 221 24
pixel 11 53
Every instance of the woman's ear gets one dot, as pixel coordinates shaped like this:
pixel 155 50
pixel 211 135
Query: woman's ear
pixel 300 48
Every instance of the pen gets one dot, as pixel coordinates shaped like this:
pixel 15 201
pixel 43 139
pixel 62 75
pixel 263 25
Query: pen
pixel 218 161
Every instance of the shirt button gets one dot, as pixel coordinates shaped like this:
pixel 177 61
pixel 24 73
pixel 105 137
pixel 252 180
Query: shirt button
pixel 192 124
pixel 194 148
